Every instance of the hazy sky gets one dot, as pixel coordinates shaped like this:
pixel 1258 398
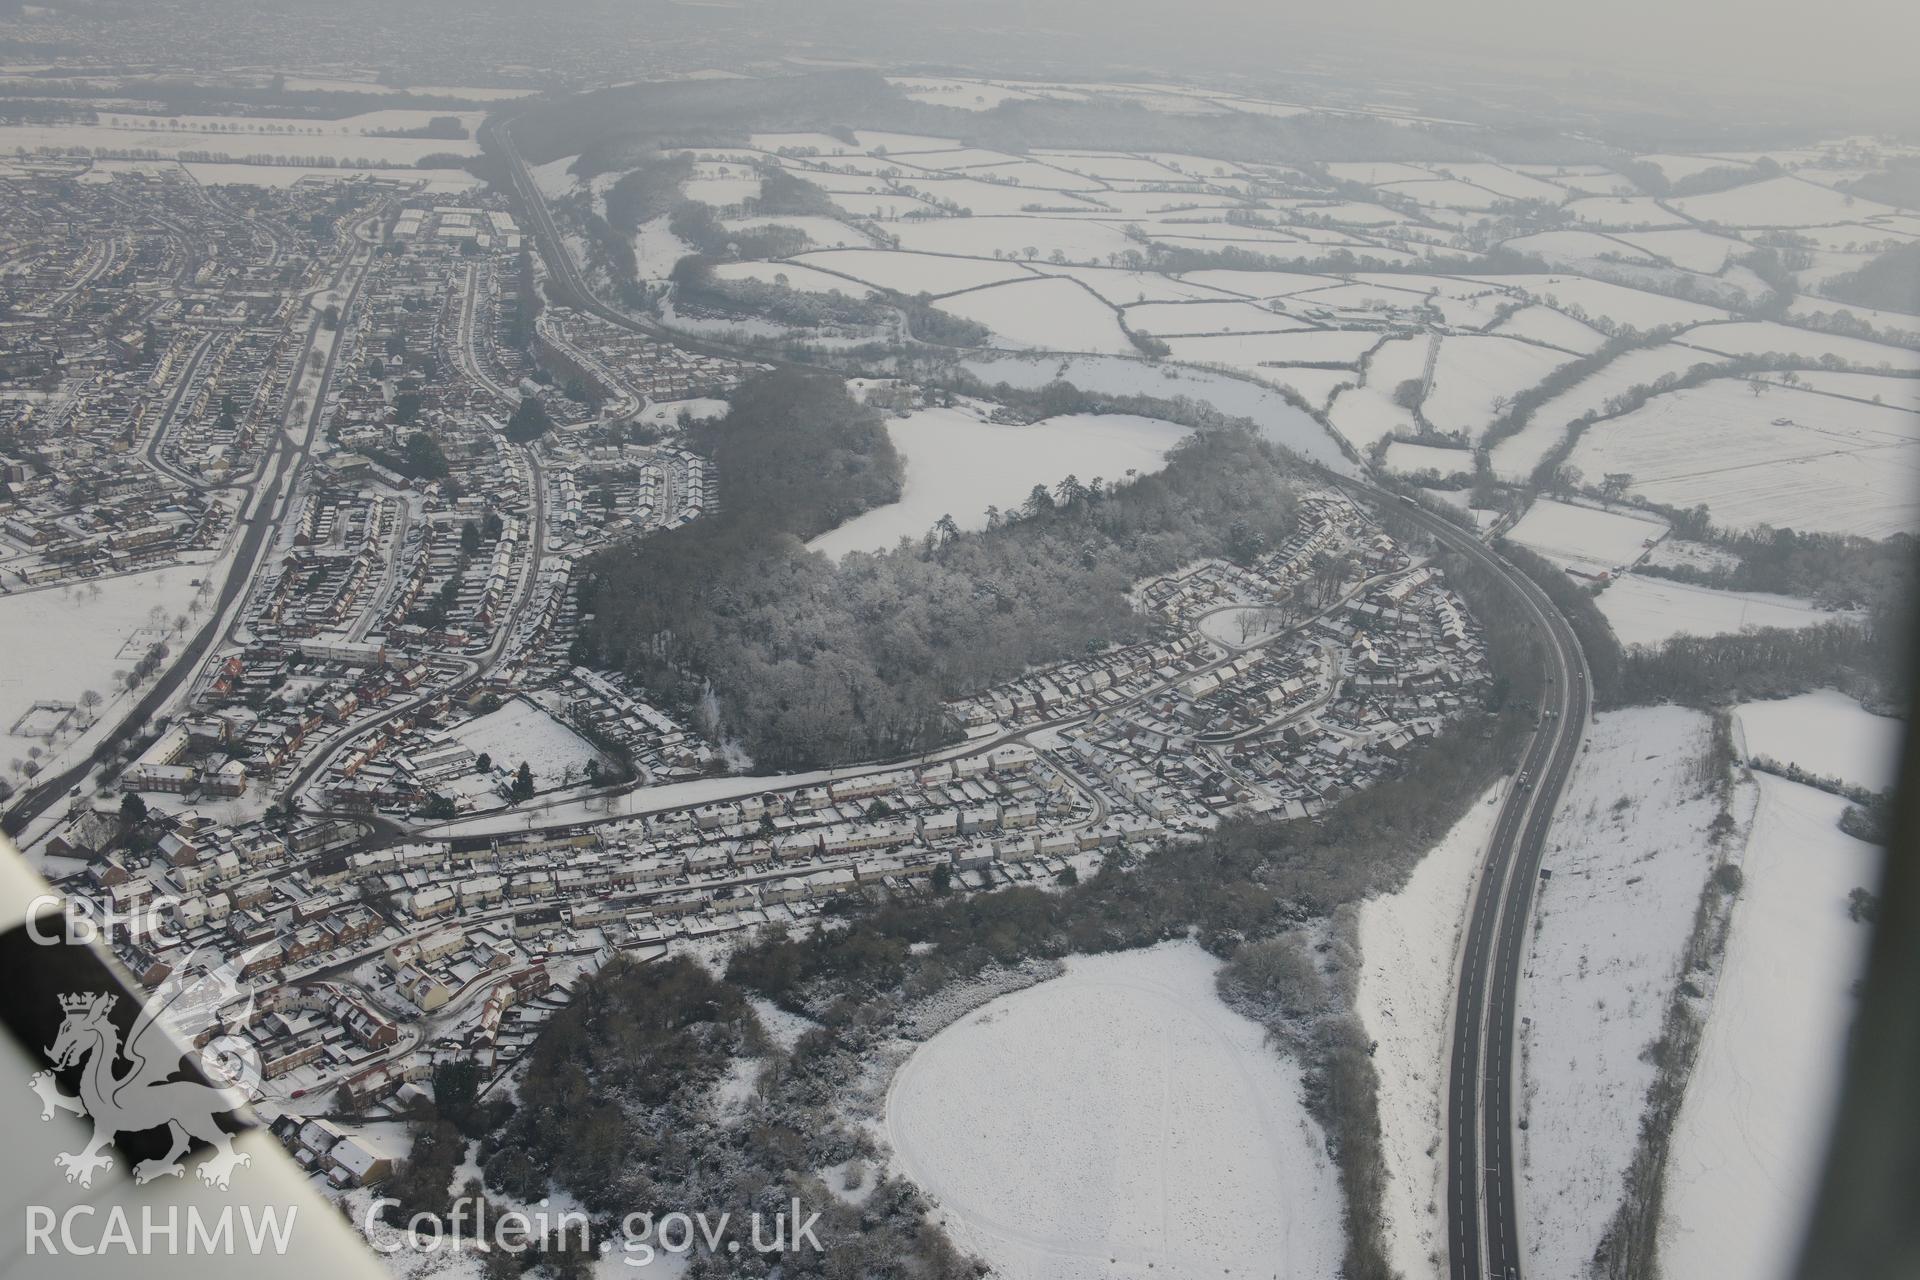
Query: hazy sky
pixel 1863 53
pixel 1837 43
pixel 1764 62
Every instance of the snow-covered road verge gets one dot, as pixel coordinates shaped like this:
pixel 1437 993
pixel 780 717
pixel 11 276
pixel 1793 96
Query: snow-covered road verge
pixel 1409 944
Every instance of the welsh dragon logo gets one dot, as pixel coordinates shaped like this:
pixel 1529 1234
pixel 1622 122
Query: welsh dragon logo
pixel 177 1022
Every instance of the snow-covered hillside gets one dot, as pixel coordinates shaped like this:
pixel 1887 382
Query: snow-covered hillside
pixel 1629 852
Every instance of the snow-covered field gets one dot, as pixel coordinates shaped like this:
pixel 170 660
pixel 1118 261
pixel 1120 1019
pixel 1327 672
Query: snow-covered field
pixel 1788 458
pixel 1315 386
pixel 1260 284
pixel 1901 393
pixel 958 465
pixel 1255 353
pixel 1174 319
pixel 1365 415
pixel 986 199
pixel 884 205
pixel 913 273
pixel 661 413
pixel 1045 315
pixel 1515 457
pixel 1633 307
pixel 1887 326
pixel 1651 611
pixel 1762 337
pixel 1629 853
pixel 1624 212
pixel 1077 239
pixel 723 187
pixel 1123 288
pixel 1544 324
pixel 1584 179
pixel 1278 420
pixel 1118 1121
pixel 1827 733
pixel 1575 247
pixel 1689 249
pixel 57 643
pixel 1409 942
pixel 521 731
pixel 1746 1150
pixel 1585 538
pixel 1237 628
pixel 1785 201
pixel 1444 194
pixel 1475 372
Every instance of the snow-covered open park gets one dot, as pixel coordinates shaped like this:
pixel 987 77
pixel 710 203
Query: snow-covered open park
pixel 523 731
pixel 1118 1121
